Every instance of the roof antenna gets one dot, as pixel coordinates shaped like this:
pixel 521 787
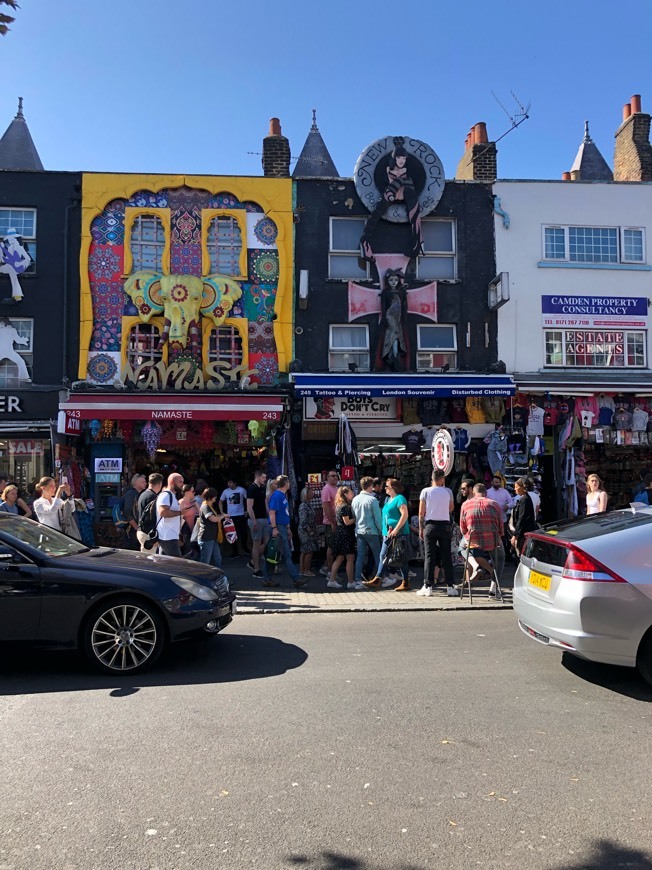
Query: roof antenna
pixel 314 120
pixel 20 107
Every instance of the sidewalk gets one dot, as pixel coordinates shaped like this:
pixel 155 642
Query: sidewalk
pixel 314 597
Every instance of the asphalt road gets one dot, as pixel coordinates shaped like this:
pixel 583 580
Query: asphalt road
pixel 389 741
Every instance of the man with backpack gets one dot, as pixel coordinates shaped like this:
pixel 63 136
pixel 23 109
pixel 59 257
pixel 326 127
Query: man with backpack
pixel 130 510
pixel 147 516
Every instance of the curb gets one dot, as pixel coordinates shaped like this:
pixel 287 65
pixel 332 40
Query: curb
pixel 289 611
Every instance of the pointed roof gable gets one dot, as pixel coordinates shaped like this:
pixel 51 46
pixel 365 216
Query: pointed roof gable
pixel 314 160
pixel 17 149
pixel 589 162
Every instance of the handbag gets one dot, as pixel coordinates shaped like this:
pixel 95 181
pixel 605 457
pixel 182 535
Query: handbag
pixel 397 551
pixel 195 532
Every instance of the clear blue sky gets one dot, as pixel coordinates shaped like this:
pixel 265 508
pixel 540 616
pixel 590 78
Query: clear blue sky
pixel 162 86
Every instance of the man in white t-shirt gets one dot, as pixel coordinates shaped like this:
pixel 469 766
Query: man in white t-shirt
pixel 436 505
pixel 167 507
pixel 233 502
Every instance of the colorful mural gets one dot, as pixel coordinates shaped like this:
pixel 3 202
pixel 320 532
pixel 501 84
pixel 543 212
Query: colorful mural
pixel 178 270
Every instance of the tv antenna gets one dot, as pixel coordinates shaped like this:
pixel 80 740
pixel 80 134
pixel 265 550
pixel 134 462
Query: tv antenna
pixel 516 118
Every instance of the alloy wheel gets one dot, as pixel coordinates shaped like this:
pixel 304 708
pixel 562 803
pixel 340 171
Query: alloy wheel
pixel 123 637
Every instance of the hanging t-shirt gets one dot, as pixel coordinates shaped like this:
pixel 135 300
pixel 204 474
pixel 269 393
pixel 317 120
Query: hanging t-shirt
pixel 639 419
pixel 622 419
pixel 428 436
pixel 550 414
pixel 494 409
pixel 430 412
pixel 516 443
pixel 458 411
pixel 410 412
pixel 586 403
pixel 460 438
pixel 622 401
pixel 413 440
pixel 586 419
pixel 474 409
pixel 520 417
pixel 605 415
pixel 565 408
pixel 606 402
pixel 535 421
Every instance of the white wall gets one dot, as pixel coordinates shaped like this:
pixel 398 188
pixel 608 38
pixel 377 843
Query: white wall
pixel 532 204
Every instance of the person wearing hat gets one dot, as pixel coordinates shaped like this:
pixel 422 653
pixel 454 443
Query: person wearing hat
pixel 14 260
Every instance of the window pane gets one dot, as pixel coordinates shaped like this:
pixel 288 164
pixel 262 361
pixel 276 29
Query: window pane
pixel 593 244
pixel 224 245
pixel 345 233
pixel 147 243
pixel 346 361
pixel 437 236
pixel 142 345
pixel 633 245
pixel 225 344
pixel 345 267
pixel 433 268
pixel 554 243
pixel 436 337
pixel 346 337
pixel 22 220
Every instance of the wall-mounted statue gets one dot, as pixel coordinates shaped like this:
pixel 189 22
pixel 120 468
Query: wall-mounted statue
pixel 393 319
pixel 8 337
pixel 182 299
pixel 399 179
pixel 14 260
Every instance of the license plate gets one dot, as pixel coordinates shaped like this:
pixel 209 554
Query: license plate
pixel 541 581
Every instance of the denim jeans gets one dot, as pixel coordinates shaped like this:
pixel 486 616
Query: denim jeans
pixel 210 553
pixel 366 544
pixel 283 541
pixel 383 553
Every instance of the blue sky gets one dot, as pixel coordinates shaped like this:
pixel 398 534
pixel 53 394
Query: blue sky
pixel 162 86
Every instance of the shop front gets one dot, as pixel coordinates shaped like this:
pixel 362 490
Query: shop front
pixel 27 440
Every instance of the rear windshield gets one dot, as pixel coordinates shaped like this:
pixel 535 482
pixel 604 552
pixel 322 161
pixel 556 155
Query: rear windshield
pixel 597 525
pixel 550 552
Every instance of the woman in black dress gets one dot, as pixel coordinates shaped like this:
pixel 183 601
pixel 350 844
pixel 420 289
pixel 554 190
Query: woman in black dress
pixel 344 539
pixel 522 516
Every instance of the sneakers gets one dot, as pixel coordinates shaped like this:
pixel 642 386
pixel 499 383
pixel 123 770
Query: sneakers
pixel 270 584
pixel 426 591
pixel 388 581
pixel 324 570
pixel 257 574
pixel 412 574
pixel 452 592
pixel 250 564
pixel 333 584
pixel 357 586
pixel 299 583
pixel 372 584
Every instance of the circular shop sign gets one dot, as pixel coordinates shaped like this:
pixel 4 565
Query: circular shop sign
pixel 443 452
pixel 424 168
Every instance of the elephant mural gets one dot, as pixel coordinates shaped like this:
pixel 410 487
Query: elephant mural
pixel 182 299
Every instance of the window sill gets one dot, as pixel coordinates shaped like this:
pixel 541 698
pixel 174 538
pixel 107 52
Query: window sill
pixel 628 267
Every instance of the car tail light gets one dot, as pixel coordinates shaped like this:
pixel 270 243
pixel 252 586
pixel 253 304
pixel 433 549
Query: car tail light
pixel 579 566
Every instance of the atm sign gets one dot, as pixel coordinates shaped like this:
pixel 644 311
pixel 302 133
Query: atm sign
pixel 108 466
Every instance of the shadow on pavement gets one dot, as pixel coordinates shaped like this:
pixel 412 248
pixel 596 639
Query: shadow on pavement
pixel 607 856
pixel 625 681
pixel 227 658
pixel 335 861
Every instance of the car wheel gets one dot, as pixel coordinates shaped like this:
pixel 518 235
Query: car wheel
pixel 644 658
pixel 124 636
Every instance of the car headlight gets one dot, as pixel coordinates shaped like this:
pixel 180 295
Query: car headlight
pixel 195 589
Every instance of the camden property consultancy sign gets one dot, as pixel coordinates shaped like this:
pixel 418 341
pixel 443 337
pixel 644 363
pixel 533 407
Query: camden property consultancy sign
pixel 597 312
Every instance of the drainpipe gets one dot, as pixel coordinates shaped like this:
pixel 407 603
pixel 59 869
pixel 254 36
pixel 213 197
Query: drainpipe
pixel 74 202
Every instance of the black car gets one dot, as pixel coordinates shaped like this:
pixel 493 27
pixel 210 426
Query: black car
pixel 118 606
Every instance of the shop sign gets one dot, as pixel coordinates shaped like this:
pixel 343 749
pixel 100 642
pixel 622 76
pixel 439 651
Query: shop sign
pixel 355 408
pixel 72 423
pixel 442 451
pixel 319 431
pixel 107 478
pixel 186 375
pixel 594 311
pixel 10 404
pixel 26 448
pixel 108 465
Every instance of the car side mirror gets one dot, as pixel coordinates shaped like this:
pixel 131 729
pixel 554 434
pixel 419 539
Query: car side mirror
pixel 9 557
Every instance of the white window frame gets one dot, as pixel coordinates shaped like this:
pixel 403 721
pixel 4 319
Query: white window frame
pixel 30 241
pixel 356 353
pixel 445 255
pixel 609 364
pixel 25 327
pixel 230 248
pixel 425 354
pixel 620 234
pixel 348 252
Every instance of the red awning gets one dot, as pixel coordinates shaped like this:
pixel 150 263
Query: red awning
pixel 166 406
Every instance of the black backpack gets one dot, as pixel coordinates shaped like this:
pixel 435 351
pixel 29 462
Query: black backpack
pixel 148 520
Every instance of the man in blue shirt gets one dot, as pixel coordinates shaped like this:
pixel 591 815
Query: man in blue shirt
pixel 279 521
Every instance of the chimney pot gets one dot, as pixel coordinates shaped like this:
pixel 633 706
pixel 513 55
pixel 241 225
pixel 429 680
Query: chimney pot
pixel 636 104
pixel 481 133
pixel 471 137
pixel 565 176
pixel 274 127
pixel 627 111
pixel 574 175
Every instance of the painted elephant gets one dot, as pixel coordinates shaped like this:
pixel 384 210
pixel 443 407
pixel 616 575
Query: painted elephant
pixel 182 299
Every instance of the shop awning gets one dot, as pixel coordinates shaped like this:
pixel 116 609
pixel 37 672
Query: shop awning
pixel 584 383
pixel 173 406
pixel 406 386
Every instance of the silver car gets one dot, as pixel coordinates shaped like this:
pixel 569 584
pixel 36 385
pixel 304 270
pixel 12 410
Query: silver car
pixel 585 586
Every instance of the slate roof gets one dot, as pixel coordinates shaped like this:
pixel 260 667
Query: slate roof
pixel 315 160
pixel 591 164
pixel 17 148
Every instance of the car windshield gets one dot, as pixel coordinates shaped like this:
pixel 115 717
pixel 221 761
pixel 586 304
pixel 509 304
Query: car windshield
pixel 42 538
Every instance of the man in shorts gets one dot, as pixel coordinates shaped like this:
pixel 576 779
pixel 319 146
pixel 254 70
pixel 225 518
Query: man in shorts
pixel 481 523
pixel 328 495
pixel 257 520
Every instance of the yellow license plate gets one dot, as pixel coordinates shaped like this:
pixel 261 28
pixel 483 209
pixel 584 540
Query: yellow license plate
pixel 541 581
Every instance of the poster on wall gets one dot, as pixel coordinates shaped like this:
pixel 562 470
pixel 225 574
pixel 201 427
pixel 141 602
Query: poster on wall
pixel 595 312
pixel 356 408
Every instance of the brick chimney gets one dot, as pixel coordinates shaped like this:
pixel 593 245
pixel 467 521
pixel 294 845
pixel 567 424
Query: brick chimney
pixel 276 152
pixel 479 161
pixel 633 152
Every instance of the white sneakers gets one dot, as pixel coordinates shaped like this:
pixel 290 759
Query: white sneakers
pixel 324 570
pixel 452 592
pixel 389 581
pixel 426 591
pixel 333 584
pixel 356 586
